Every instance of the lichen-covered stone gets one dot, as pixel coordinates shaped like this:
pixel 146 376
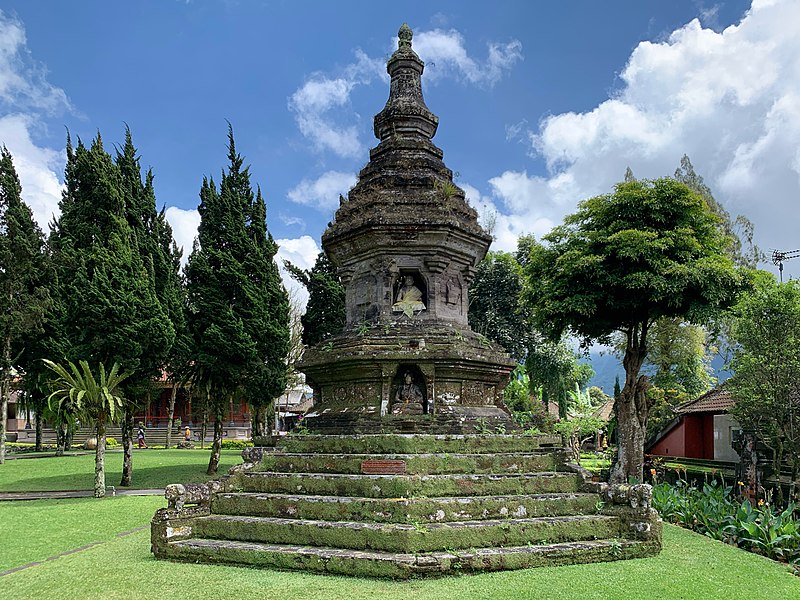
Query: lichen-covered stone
pixel 403 510
pixel 414 463
pixel 418 443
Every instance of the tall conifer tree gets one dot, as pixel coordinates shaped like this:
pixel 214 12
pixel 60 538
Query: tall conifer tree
pixel 238 311
pixel 325 312
pixel 157 333
pixel 110 309
pixel 23 296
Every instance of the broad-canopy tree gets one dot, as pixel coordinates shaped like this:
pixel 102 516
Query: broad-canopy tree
pixel 238 311
pixel 766 363
pixel 23 295
pixel 648 250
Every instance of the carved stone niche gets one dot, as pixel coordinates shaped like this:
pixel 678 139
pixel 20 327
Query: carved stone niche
pixel 408 376
pixel 410 293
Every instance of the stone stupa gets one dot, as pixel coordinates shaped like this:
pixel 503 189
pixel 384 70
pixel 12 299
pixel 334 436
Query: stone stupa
pixel 406 245
pixel 409 470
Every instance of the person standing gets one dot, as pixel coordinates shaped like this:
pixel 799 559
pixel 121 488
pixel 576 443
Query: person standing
pixel 140 436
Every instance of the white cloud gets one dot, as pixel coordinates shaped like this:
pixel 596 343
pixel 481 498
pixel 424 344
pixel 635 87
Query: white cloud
pixel 728 99
pixel 323 192
pixel 25 96
pixel 316 102
pixel 445 54
pixel 36 167
pixel 23 81
pixel 322 109
pixel 184 225
pixel 301 252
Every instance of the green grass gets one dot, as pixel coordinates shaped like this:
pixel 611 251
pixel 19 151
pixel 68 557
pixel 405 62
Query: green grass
pixel 34 530
pixel 151 469
pixel 691 566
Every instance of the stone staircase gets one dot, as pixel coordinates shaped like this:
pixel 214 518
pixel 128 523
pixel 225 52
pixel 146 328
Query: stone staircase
pixel 400 506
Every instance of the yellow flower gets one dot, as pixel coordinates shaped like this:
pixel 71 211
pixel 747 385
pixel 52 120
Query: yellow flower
pixel 652 471
pixel 761 502
pixel 740 482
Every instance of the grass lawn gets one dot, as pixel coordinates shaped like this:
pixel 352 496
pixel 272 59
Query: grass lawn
pixel 691 566
pixel 34 530
pixel 151 469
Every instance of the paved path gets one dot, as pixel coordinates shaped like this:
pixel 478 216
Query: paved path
pixel 110 491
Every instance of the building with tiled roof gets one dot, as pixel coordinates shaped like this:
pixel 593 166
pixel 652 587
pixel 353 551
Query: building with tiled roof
pixel 702 429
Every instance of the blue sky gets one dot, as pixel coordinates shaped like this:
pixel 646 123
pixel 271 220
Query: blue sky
pixel 540 104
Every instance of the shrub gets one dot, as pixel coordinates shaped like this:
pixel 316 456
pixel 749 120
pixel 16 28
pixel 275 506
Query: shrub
pixel 111 442
pixel 712 511
pixel 236 444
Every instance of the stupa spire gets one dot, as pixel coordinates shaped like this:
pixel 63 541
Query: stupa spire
pixel 405 113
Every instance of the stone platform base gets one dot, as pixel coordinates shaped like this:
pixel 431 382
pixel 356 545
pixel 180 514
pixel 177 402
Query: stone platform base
pixel 446 504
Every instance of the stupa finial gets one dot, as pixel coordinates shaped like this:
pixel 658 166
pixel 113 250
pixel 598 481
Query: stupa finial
pixel 405 34
pixel 405 113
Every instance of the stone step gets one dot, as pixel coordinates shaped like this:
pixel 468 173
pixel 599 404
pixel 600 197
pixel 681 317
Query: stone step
pixel 528 462
pixel 402 510
pixel 414 537
pixel 402 565
pixel 417 443
pixel 407 486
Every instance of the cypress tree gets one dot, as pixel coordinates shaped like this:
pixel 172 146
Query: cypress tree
pixel 267 321
pixel 110 309
pixel 23 296
pixel 325 312
pixel 237 310
pixel 156 332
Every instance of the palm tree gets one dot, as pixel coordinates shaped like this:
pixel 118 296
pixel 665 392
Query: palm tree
pixel 95 400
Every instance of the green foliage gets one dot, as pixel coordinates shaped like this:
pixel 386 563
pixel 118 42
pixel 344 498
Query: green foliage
pixel 24 298
pixel 739 231
pixel 325 311
pixel 78 391
pixel 553 370
pixel 238 310
pixel 106 291
pixel 766 364
pixel 651 249
pixel 236 444
pixel 712 511
pixel 516 395
pixel 494 309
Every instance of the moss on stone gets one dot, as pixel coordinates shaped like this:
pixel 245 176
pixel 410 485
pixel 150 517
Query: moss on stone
pixel 417 443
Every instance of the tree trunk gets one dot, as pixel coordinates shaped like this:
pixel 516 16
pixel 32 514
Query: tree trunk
pixel 61 438
pixel 631 409
pixel 127 448
pixel 38 447
pixel 213 462
pixel 69 433
pixel 269 412
pixel 171 418
pixel 204 425
pixel 100 460
pixel 4 385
